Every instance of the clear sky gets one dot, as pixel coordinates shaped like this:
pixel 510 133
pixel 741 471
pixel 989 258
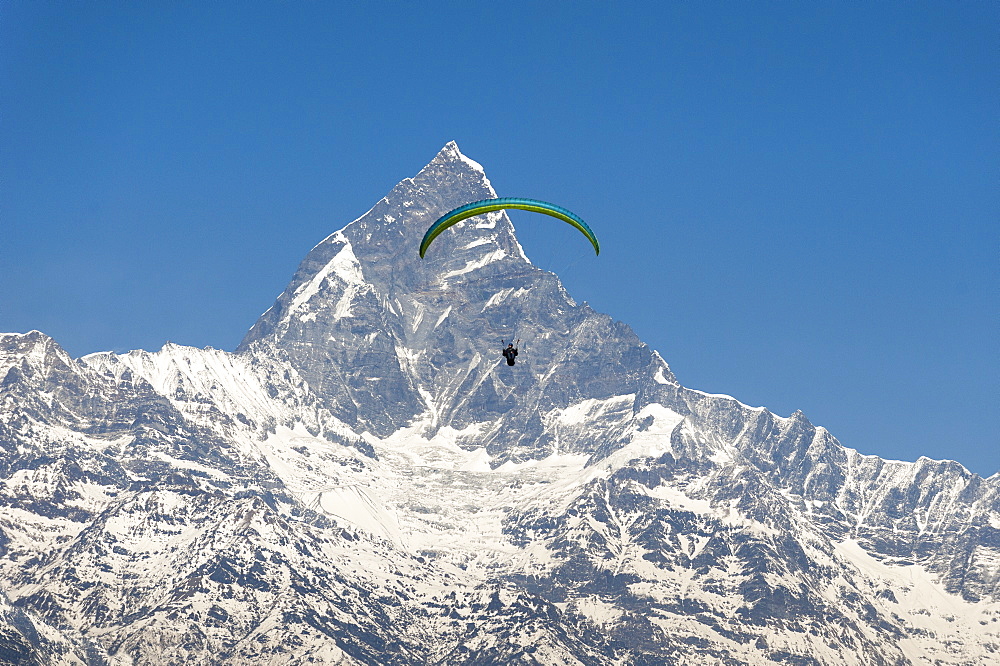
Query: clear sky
pixel 797 202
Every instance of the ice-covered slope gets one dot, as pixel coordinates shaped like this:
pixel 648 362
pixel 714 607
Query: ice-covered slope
pixel 363 482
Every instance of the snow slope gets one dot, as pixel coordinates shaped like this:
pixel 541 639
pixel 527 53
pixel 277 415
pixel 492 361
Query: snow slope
pixel 364 481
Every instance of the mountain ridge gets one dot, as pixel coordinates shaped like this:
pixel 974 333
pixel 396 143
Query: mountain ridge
pixel 363 482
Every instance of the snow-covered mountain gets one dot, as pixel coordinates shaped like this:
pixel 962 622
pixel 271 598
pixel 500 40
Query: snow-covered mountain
pixel 364 481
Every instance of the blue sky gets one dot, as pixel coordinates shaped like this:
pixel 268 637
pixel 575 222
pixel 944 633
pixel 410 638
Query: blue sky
pixel 797 202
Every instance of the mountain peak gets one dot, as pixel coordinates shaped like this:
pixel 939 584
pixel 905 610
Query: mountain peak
pixel 34 347
pixel 451 153
pixel 29 339
pixel 369 470
pixel 390 339
pixel 381 247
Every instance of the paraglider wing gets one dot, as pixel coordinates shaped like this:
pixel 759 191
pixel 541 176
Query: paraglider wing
pixel 490 205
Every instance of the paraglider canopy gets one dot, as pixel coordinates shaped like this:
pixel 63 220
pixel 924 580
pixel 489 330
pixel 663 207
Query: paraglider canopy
pixel 490 205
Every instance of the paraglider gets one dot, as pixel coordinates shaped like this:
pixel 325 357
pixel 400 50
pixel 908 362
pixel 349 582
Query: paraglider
pixel 509 352
pixel 474 208
pixel 489 205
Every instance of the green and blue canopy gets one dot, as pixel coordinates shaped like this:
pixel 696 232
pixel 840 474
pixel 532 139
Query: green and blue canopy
pixel 489 205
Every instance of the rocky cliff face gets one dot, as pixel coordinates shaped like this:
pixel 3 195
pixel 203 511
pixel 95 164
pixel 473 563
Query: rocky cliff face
pixel 364 481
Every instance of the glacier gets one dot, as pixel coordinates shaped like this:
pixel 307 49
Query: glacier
pixel 364 481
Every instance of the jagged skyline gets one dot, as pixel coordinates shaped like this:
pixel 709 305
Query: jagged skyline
pixel 796 205
pixel 363 482
pixel 340 491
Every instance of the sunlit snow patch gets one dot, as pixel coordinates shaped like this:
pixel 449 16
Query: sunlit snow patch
pixel 937 618
pixel 330 478
pixel 495 255
pixel 344 265
pixel 353 504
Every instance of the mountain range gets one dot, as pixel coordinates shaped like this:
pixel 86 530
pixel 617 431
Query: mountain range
pixel 365 481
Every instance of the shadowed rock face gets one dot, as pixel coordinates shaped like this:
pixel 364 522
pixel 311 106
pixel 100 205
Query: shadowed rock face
pixel 364 481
